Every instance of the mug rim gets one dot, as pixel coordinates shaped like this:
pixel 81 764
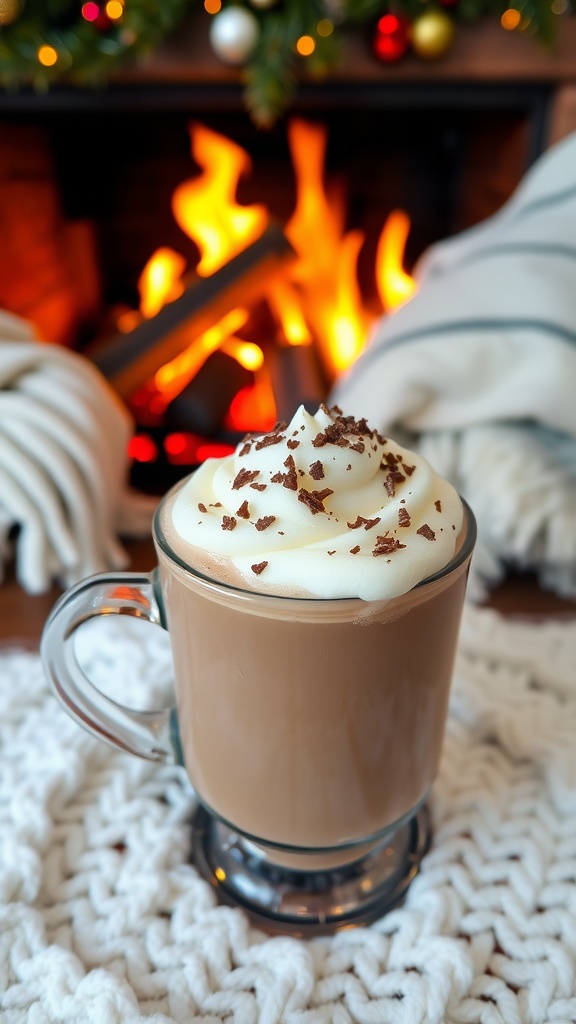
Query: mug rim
pixel 464 552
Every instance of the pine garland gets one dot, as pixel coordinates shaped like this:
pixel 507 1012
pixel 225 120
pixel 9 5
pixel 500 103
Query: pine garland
pixel 43 42
pixel 272 71
pixel 47 41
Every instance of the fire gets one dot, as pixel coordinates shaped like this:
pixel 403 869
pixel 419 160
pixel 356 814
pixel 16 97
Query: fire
pixel 317 301
pixel 325 274
pixel 160 281
pixel 395 286
pixel 205 207
pixel 171 378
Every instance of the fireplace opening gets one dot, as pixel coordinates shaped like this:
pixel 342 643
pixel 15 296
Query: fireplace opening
pixel 86 194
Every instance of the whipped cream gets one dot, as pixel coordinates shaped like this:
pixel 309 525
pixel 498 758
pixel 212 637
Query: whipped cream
pixel 322 507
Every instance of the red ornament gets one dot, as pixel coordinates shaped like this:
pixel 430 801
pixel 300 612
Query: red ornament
pixel 392 37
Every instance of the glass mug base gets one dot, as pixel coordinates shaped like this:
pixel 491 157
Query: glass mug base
pixel 284 900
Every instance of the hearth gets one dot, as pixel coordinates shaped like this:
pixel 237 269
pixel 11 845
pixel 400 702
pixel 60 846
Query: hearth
pixel 86 188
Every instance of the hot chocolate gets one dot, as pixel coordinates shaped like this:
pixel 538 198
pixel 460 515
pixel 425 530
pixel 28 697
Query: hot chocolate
pixel 313 587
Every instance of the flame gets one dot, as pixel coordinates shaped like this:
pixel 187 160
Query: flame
pixel 171 378
pixel 326 272
pixel 250 356
pixel 394 285
pixel 205 207
pixel 160 281
pixel 285 303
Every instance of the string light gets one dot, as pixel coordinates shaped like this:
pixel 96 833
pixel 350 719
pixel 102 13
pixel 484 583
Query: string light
pixel 90 11
pixel 510 20
pixel 47 56
pixel 325 27
pixel 212 6
pixel 114 10
pixel 305 46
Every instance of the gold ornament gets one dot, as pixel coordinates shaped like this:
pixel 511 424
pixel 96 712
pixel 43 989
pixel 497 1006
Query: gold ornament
pixel 433 34
pixel 9 11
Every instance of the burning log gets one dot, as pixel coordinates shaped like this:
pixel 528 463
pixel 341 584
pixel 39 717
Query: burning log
pixel 129 360
pixel 297 379
pixel 204 402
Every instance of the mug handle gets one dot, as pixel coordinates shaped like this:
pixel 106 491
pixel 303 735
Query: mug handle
pixel 146 734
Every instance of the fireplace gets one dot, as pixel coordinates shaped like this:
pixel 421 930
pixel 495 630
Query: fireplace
pixel 86 186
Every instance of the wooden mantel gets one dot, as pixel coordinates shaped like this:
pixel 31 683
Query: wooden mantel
pixel 483 53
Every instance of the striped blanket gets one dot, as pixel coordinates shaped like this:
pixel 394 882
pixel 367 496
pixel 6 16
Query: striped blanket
pixel 478 373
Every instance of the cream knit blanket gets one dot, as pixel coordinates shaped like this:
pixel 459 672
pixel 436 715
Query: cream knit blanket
pixel 478 374
pixel 104 921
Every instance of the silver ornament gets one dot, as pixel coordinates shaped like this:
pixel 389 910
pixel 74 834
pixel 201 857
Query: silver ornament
pixel 234 33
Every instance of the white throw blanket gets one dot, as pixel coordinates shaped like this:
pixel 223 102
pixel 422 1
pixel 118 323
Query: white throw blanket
pixel 103 920
pixel 478 372
pixel 63 464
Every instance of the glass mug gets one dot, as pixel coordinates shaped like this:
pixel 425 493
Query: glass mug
pixel 311 730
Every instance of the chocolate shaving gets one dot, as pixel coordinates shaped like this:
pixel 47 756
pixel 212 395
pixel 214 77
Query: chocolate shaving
pixel 243 512
pixel 341 426
pixel 332 552
pixel 202 507
pixel 259 567
pixel 259 487
pixel 403 517
pixel 392 478
pixel 269 439
pixel 408 469
pixel 314 500
pixel 292 444
pixel 228 523
pixel 438 506
pixel 331 435
pixel 355 550
pixel 317 470
pixel 289 479
pixel 371 522
pixel 245 476
pixel 386 545
pixel 426 532
pixel 216 504
pixel 358 446
pixel 264 522
pixel 361 521
pixel 397 476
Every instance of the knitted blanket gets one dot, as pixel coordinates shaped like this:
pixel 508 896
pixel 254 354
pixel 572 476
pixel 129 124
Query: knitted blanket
pixel 103 920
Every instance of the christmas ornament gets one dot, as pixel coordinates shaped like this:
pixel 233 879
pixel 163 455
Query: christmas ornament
pixel 433 34
pixel 392 37
pixel 9 11
pixel 233 35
